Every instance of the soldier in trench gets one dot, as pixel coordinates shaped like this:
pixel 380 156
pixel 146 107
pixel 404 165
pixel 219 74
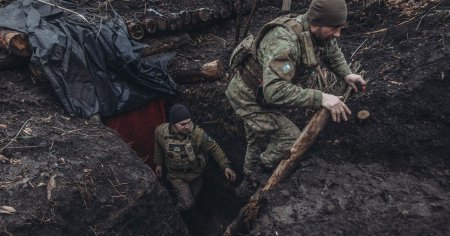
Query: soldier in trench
pixel 287 47
pixel 184 149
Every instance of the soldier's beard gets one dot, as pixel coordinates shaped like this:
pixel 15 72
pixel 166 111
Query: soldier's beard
pixel 320 38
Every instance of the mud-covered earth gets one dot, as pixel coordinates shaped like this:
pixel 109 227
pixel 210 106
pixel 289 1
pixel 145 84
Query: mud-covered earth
pixel 388 175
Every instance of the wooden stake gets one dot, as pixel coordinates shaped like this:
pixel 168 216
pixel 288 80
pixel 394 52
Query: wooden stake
pixel 136 30
pixel 286 5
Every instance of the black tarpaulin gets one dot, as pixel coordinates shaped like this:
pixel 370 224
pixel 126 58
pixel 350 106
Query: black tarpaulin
pixel 92 67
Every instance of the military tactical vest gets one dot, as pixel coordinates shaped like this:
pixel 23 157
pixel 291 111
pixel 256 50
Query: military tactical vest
pixel 244 57
pixel 182 154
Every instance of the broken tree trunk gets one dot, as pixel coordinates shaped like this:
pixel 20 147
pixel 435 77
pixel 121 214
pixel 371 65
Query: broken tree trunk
pixel 249 212
pixel 210 71
pixel 14 42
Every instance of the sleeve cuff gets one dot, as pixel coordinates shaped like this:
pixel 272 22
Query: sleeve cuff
pixel 317 99
pixel 226 165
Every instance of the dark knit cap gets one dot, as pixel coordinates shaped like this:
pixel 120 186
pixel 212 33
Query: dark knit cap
pixel 177 113
pixel 327 13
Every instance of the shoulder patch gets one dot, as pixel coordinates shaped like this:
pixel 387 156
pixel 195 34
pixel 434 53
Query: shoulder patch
pixel 283 66
pixel 207 138
pixel 286 67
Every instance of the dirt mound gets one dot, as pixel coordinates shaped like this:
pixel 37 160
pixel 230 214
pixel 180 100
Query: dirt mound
pixel 67 176
pixel 390 175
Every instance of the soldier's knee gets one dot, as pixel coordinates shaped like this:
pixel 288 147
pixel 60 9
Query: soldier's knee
pixel 269 164
pixel 185 205
pixel 270 160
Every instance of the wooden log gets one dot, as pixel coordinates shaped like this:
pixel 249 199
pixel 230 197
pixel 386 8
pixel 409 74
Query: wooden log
pixel 174 22
pixel 210 71
pixel 309 134
pixel 15 42
pixel 166 43
pixel 204 14
pixel 162 23
pixel 185 17
pixel 136 30
pixel 201 15
pixel 150 25
pixel 286 5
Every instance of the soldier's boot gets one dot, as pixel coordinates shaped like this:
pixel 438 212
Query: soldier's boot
pixel 247 188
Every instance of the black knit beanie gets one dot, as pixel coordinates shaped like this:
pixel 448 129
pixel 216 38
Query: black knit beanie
pixel 327 13
pixel 177 113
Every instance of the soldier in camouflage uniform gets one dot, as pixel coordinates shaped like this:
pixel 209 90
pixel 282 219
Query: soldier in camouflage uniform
pixel 287 47
pixel 184 149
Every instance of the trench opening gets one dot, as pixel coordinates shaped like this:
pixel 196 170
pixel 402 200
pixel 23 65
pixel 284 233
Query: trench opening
pixel 216 205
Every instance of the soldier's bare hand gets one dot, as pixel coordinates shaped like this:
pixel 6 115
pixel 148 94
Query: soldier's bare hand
pixel 337 108
pixel 229 174
pixel 353 79
pixel 158 171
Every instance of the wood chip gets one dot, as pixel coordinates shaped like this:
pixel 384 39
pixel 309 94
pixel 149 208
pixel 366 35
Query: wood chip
pixel 50 186
pixel 7 210
pixel 3 159
pixel 3 126
pixel 27 131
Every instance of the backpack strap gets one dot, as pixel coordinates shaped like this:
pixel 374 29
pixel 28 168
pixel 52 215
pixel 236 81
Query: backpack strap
pixel 287 21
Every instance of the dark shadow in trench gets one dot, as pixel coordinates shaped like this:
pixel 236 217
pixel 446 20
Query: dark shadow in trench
pixel 217 204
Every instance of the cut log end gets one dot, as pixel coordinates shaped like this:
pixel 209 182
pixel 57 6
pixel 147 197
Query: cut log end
pixel 363 116
pixel 150 25
pixel 212 69
pixel 136 30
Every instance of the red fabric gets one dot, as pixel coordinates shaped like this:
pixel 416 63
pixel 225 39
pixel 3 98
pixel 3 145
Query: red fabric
pixel 137 128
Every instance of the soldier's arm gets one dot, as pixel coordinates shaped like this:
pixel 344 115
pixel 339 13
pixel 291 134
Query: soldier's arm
pixel 334 59
pixel 159 150
pixel 277 54
pixel 211 147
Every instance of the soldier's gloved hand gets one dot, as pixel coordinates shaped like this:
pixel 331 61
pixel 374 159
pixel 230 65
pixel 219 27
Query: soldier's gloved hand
pixel 337 108
pixel 352 79
pixel 229 174
pixel 158 171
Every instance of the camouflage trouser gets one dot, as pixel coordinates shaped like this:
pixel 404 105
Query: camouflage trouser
pixel 186 191
pixel 269 137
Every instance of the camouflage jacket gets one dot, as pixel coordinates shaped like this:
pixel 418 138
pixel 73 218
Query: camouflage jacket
pixel 282 55
pixel 186 154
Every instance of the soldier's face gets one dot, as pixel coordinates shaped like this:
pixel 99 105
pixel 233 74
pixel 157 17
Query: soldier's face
pixel 325 33
pixel 184 126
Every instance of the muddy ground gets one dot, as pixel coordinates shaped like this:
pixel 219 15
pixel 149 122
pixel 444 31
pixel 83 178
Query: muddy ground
pixel 387 176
